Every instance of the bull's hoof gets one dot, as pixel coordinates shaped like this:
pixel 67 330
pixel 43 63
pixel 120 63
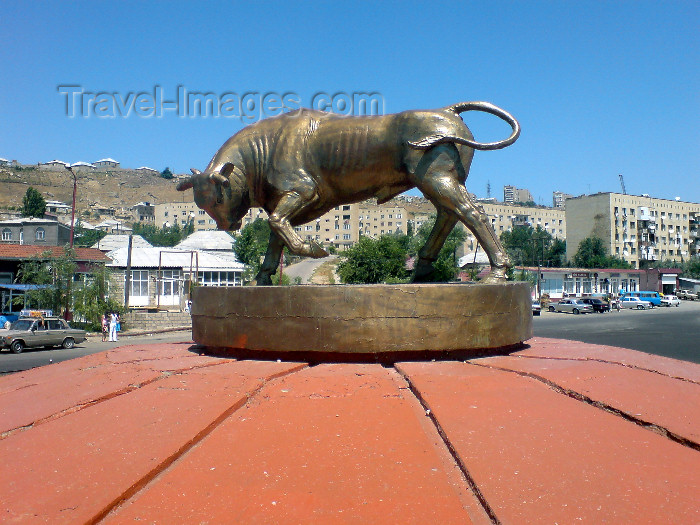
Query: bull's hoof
pixel 497 276
pixel 316 251
pixel 424 272
pixel 263 280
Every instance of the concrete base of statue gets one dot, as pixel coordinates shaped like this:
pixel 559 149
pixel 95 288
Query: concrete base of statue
pixel 363 319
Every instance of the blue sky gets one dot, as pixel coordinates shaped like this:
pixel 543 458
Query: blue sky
pixel 600 88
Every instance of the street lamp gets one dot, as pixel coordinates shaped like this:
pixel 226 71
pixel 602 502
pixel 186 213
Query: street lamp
pixel 72 214
pixel 68 316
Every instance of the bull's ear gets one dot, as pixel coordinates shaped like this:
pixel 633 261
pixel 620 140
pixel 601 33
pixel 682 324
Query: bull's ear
pixel 227 169
pixel 185 185
pixel 216 178
pixel 195 171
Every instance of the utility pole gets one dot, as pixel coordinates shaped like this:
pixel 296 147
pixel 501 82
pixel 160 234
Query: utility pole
pixel 68 316
pixel 127 283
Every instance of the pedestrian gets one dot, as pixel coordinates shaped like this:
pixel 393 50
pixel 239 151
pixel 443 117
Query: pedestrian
pixel 105 326
pixel 113 319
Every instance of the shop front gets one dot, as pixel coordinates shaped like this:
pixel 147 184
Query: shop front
pixel 575 282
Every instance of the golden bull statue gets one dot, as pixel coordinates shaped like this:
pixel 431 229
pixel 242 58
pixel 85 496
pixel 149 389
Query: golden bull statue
pixel 301 164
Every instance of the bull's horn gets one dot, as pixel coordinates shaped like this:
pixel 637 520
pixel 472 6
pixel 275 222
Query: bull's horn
pixel 185 184
pixel 195 171
pixel 216 178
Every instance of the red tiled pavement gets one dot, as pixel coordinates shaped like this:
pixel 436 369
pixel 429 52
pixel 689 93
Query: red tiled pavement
pixel 331 444
pixel 558 432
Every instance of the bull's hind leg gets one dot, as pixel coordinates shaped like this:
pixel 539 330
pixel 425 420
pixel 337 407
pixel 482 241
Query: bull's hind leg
pixel 438 176
pixel 288 206
pixel 428 254
pixel 272 259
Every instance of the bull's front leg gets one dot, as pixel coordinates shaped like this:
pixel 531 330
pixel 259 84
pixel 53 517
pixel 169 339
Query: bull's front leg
pixel 290 204
pixel 272 260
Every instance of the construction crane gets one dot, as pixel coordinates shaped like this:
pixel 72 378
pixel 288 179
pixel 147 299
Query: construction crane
pixel 622 183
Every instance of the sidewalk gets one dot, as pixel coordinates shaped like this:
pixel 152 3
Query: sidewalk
pixel 560 432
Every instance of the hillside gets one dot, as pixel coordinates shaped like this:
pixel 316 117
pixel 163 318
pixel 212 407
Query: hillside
pixel 115 188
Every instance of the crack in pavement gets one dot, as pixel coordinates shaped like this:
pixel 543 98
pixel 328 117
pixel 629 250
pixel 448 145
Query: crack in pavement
pixel 111 395
pixel 658 429
pixel 452 450
pixel 604 361
pixel 162 467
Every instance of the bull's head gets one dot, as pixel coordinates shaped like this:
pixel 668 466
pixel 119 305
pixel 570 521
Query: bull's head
pixel 222 193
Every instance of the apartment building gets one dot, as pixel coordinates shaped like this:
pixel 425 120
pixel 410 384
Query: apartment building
pixel 694 237
pixel 511 194
pixel 505 218
pixel 339 227
pixel 376 220
pixel 171 213
pixel 636 228
pixel 559 199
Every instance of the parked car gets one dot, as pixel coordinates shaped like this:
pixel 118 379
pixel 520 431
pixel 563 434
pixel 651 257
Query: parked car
pixel 33 332
pixel 575 306
pixel 653 298
pixel 670 300
pixel 598 305
pixel 536 308
pixel 687 295
pixel 634 303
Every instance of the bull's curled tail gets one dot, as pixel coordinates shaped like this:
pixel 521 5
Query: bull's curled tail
pixel 434 140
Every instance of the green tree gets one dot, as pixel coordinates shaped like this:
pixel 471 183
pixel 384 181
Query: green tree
pixel 372 261
pixel 33 204
pixel 54 273
pixel 91 300
pixel 592 254
pixel 165 236
pixel 251 245
pixel 167 174
pixel 692 268
pixel 445 266
pixel 85 237
pixel 532 246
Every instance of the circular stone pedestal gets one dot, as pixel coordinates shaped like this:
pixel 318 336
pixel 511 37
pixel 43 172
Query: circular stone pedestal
pixel 363 319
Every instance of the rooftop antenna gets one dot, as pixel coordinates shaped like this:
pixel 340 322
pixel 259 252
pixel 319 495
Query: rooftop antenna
pixel 488 189
pixel 622 183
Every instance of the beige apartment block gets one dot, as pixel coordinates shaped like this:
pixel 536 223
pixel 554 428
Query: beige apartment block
pixel 504 217
pixel 171 213
pixel 636 228
pixel 376 220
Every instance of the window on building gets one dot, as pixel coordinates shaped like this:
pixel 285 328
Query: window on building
pixel 139 283
pixel 171 282
pixel 40 234
pixel 346 208
pixel 219 278
pixel 346 236
pixel 6 234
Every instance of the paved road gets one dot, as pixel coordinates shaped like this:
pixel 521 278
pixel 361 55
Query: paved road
pixel 30 358
pixel 672 332
pixel 305 269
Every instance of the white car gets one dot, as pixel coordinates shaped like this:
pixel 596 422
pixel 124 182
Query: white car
pixel 670 300
pixel 575 306
pixel 634 303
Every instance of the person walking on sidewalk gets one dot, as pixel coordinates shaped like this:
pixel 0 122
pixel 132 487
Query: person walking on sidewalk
pixel 113 320
pixel 105 326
